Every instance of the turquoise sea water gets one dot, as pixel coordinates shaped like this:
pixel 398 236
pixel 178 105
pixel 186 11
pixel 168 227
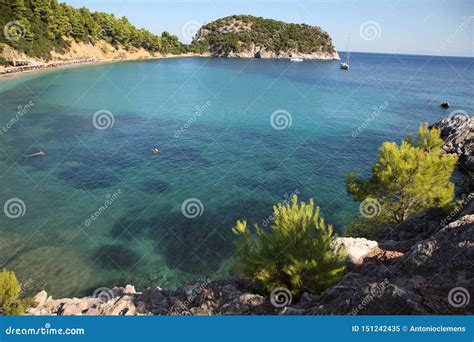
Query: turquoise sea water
pixel 211 118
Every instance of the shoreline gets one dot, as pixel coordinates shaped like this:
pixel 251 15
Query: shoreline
pixel 77 63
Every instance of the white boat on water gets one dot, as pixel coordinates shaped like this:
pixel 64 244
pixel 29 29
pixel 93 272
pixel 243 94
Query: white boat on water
pixel 296 59
pixel 345 65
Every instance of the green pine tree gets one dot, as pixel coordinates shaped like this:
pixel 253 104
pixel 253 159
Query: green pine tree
pixel 408 179
pixel 42 8
pixel 18 9
pixel 297 253
pixel 10 304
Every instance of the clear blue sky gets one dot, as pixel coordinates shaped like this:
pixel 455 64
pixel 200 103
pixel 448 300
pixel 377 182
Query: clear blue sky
pixel 441 27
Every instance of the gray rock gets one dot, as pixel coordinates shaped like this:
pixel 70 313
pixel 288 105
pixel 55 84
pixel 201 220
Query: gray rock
pixel 468 163
pixel 41 297
pixel 129 289
pixel 356 248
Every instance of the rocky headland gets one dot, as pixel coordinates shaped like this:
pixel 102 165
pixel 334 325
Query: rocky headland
pixel 244 36
pixel 421 266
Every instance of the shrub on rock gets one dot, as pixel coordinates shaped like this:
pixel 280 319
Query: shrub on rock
pixel 10 304
pixel 298 252
pixel 407 179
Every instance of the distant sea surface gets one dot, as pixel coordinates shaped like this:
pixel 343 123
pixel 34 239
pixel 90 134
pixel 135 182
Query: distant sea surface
pixel 100 209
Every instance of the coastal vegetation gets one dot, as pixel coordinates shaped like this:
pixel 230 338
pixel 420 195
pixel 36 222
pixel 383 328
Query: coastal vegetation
pixel 298 253
pixel 47 25
pixel 407 179
pixel 39 27
pixel 10 304
pixel 238 33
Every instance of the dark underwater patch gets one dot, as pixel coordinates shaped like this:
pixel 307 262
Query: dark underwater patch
pixel 155 186
pixel 185 156
pixel 89 178
pixel 116 256
pixel 200 245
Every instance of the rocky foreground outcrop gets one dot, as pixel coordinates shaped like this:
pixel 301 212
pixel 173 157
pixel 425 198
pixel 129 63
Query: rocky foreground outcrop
pixel 418 267
pixel 457 131
pixel 458 134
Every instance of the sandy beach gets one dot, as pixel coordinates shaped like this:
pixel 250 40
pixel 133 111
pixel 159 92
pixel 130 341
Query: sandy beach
pixel 59 64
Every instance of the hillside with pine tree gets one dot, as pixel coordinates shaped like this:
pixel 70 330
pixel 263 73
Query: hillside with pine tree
pixel 48 30
pixel 38 27
pixel 249 36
